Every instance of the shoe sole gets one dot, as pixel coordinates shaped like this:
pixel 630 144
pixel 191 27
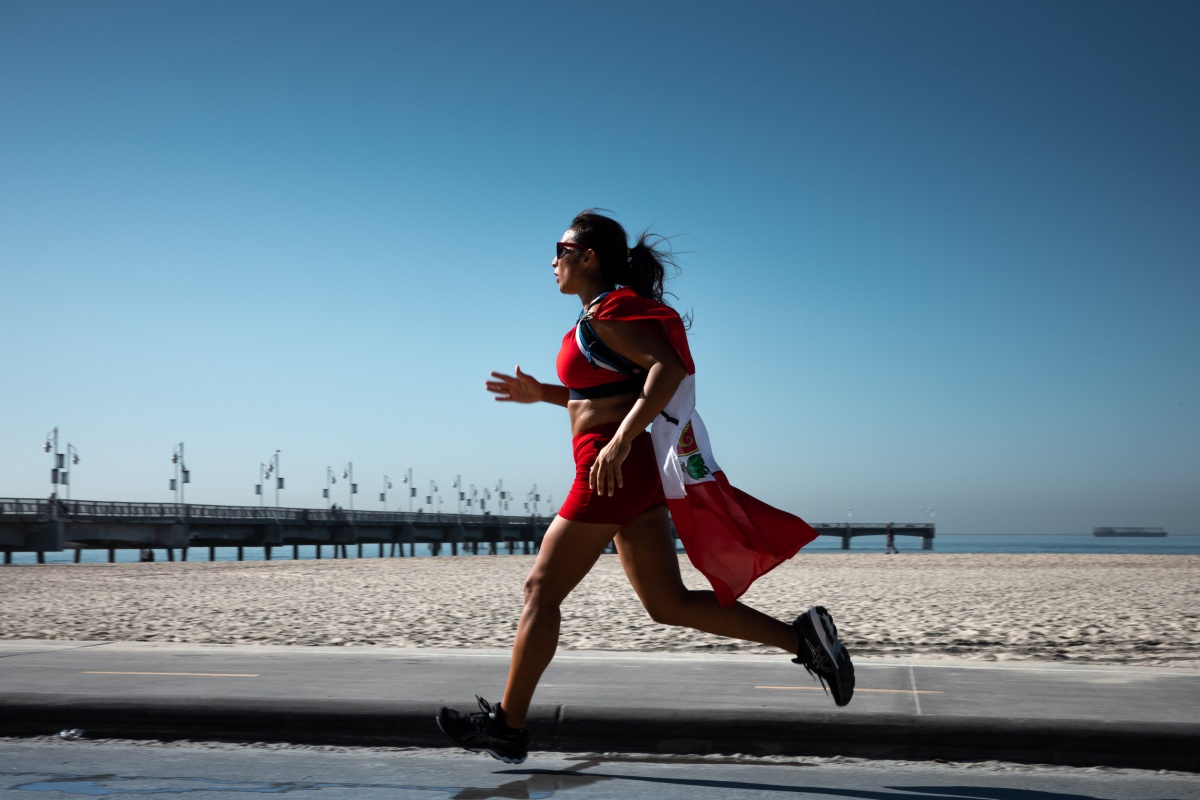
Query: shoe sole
pixel 437 718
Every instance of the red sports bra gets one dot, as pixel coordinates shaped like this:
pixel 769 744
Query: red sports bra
pixel 589 368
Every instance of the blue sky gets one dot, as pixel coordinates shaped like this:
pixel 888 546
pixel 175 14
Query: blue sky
pixel 937 253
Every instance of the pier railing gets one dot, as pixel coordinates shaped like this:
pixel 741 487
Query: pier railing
pixel 847 531
pixel 50 525
pixel 13 509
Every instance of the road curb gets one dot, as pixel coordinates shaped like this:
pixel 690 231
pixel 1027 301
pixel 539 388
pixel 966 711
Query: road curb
pixel 582 728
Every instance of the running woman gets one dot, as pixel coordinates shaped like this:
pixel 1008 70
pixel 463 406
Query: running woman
pixel 624 365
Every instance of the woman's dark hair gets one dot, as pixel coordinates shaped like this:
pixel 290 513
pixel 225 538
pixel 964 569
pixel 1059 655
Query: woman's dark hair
pixel 642 267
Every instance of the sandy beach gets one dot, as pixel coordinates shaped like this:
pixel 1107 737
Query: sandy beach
pixel 1095 609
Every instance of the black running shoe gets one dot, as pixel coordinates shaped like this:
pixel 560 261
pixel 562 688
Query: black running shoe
pixel 485 731
pixel 823 655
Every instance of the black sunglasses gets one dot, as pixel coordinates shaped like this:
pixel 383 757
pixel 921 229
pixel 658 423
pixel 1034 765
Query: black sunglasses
pixel 562 247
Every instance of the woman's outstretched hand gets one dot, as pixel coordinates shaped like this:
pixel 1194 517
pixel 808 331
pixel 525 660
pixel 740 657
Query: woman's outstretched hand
pixel 520 389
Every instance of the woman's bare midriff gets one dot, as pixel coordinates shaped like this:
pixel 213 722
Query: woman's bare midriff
pixel 590 413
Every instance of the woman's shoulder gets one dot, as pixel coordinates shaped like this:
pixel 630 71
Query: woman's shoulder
pixel 626 304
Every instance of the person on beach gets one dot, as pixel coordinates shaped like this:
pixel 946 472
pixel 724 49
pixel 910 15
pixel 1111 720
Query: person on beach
pixel 891 540
pixel 624 365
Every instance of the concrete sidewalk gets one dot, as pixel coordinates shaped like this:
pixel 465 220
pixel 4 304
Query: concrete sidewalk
pixel 608 702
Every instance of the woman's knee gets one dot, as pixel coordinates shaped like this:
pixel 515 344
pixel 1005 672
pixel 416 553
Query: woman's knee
pixel 668 609
pixel 541 593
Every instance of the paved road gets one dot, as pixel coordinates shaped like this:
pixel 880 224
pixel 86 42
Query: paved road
pixel 58 770
pixel 602 702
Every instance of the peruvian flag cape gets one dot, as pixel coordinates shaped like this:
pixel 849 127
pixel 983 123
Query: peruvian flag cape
pixel 729 536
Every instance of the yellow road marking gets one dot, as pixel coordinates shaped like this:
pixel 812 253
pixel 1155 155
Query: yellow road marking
pixel 877 691
pixel 184 674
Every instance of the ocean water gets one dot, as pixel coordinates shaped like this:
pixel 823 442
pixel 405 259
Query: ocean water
pixel 942 543
pixel 1020 543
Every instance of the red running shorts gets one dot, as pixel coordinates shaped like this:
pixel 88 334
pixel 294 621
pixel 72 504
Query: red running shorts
pixel 642 489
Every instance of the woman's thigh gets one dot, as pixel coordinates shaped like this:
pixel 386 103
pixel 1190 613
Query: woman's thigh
pixel 648 555
pixel 568 552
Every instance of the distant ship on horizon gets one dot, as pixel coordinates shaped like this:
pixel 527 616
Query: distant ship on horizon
pixel 1128 532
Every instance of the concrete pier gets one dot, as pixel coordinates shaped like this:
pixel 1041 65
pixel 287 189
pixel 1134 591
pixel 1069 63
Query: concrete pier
pixel 51 526
pixel 846 531
pixel 41 526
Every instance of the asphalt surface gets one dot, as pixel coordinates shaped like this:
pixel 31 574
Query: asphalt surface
pixel 43 768
pixel 606 702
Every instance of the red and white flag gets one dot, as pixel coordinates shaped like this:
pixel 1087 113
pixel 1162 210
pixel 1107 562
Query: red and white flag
pixel 732 538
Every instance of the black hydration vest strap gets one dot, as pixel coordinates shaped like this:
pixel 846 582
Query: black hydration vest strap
pixel 596 350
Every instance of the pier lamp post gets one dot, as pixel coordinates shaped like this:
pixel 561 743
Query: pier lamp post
pixel 330 480
pixel 52 446
pixel 265 471
pixel 534 498
pixel 407 480
pixel 278 477
pixel 487 495
pixel 501 495
pixel 433 490
pixel 348 474
pixel 58 470
pixel 182 474
pixel 387 484
pixel 474 495
pixel 72 458
pixel 458 490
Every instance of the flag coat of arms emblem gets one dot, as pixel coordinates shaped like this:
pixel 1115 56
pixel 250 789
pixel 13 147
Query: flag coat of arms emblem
pixel 729 536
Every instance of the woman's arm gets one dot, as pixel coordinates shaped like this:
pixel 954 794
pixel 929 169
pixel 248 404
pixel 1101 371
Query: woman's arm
pixel 644 344
pixel 523 388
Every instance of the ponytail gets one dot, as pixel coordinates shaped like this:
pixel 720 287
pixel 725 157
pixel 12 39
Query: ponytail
pixel 642 267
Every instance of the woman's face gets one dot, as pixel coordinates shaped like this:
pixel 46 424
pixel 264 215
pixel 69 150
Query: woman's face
pixel 568 267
